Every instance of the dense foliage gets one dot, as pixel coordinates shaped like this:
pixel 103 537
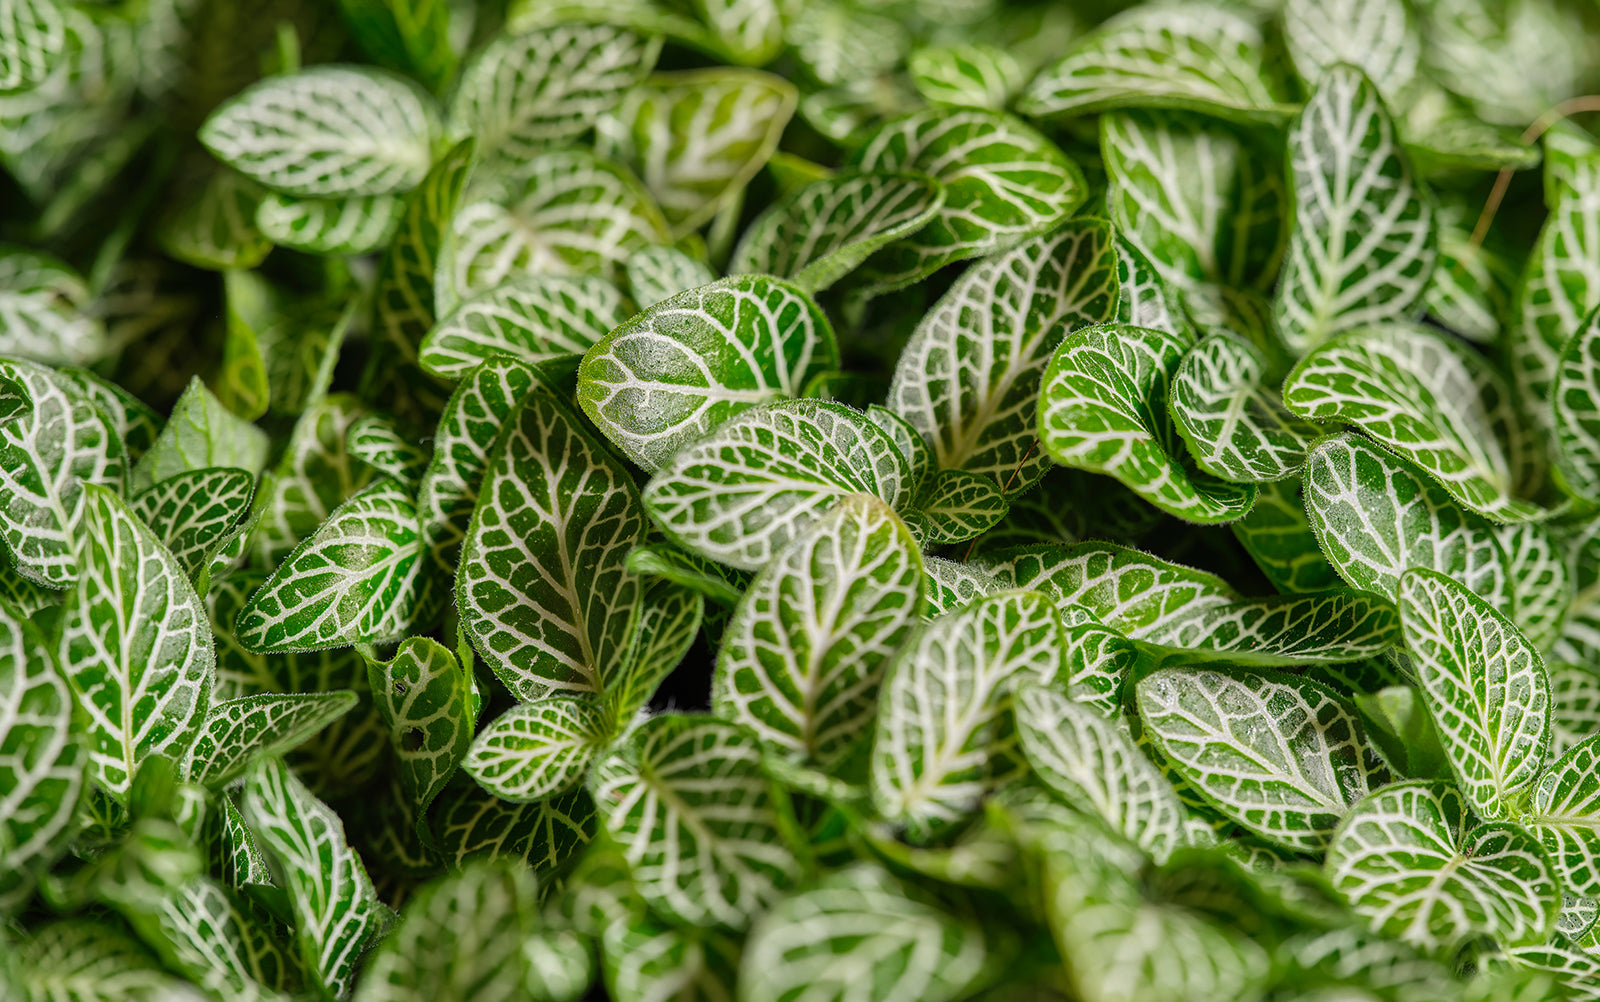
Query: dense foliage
pixel 799 501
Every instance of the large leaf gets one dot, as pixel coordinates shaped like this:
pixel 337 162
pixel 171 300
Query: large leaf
pixel 427 698
pixel 1363 246
pixel 523 95
pixel 1282 756
pixel 1003 183
pixel 687 801
pixel 1182 56
pixel 1405 861
pixel 699 136
pixel 192 512
pixel 1565 816
pixel 537 750
pixel 1199 200
pixel 1485 686
pixel 740 494
pixel 336 912
pixel 54 442
pixel 542 585
pixel 357 579
pixel 1428 400
pixel 240 731
pixel 858 935
pixel 944 737
pixel 1103 408
pixel 825 230
pixel 968 380
pixel 329 131
pixel 806 650
pixel 535 319
pixel 41 758
pixel 1377 516
pixel 684 366
pixel 136 643
pixel 1232 415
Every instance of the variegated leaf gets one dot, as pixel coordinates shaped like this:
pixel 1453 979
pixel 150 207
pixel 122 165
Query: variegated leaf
pixel 192 512
pixel 1574 706
pixel 662 271
pixel 806 651
pixel 36 42
pixel 949 585
pixel 958 506
pixel 671 374
pixel 217 228
pixel 1575 397
pixel 472 824
pixel 669 620
pixel 1376 36
pixel 240 731
pixel 1232 416
pixel 537 750
pixel 392 451
pixel 431 706
pixel 535 319
pixel 646 958
pixel 342 226
pixel 740 494
pixel 966 75
pixel 1565 817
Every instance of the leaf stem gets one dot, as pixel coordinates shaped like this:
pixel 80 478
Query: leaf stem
pixel 1502 181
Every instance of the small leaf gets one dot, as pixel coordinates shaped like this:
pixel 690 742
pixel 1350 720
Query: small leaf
pixel 1231 415
pixel 36 42
pixel 1574 706
pixel 1363 244
pixel 1103 408
pixel 686 800
pixel 966 76
pixel 949 585
pixel 671 374
pixel 1405 862
pixel 328 132
pixel 135 643
pixel 1376 36
pixel 217 228
pixel 192 512
pixel 535 751
pixel 1282 756
pixel 959 506
pixel 740 494
pixel 645 958
pixel 808 645
pixel 237 733
pixel 660 272
pixel 1576 399
pixel 390 450
pixel 200 433
pixel 427 698
pixel 1003 182
pixel 534 319
pixel 342 226
pixel 669 620
pixel 472 824
pixel 720 584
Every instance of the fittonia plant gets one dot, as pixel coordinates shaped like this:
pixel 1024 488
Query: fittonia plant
pixel 799 501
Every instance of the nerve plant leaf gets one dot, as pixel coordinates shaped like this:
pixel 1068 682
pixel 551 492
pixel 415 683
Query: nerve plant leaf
pixel 1485 686
pixel 1284 757
pixel 1565 817
pixel 1363 244
pixel 1576 400
pixel 192 512
pixel 686 800
pixel 1232 416
pixel 328 132
pixel 238 732
pixel 200 433
pixel 740 494
pixel 806 651
pixel 536 750
pixel 343 226
pixel 136 644
pixel 662 271
pixel 1378 37
pixel 684 366
pixel 1103 408
pixel 427 698
pixel 1004 183
pixel 1405 860
pixel 535 319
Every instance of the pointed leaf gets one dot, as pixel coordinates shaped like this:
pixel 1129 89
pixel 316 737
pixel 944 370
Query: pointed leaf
pixel 426 698
pixel 534 319
pixel 669 622
pixel 201 433
pixel 192 512
pixel 240 731
pixel 720 584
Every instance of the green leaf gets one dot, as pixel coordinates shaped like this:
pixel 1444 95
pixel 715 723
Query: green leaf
pixel 966 75
pixel 686 800
pixel 1205 59
pixel 647 959
pixel 1438 405
pixel 1093 764
pixel 135 643
pixel 472 824
pixel 461 936
pixel 859 935
pixel 1200 200
pixel 327 132
pixel 959 506
pixel 944 737
pixel 36 41
pixel 355 580
pixel 44 311
pixel 1375 36
pixel 217 228
pixel 1565 816
pixel 825 230
pixel 42 759
pixel 55 443
pixel 529 93
pixel 192 512
pixel 342 226
pixel 1485 686
pixel 968 380
pixel 1405 861
pixel 336 912
pixel 135 422
pixel 427 698
pixel 1282 756
pixel 671 374
pixel 1397 723
pixel 948 585
pixel 1003 183
pixel 390 450
pixel 410 36
pixel 542 586
pixel 1376 516
pixel 1471 289
pixel 669 621
pixel 240 731
pixel 661 271
pixel 697 137
pixel 747 31
pixel 567 212
pixel 535 319
pixel 201 433
pixel 1103 408
pixel 1575 397
pixel 1363 244
pixel 1233 417
pixel 720 584
pixel 1170 609
pixel 1574 706
pixel 89 960
pixel 1144 298
pixel 535 751
pixel 805 653
pixel 315 474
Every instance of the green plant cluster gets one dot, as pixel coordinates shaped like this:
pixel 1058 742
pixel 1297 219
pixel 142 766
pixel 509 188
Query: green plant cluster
pixel 799 501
